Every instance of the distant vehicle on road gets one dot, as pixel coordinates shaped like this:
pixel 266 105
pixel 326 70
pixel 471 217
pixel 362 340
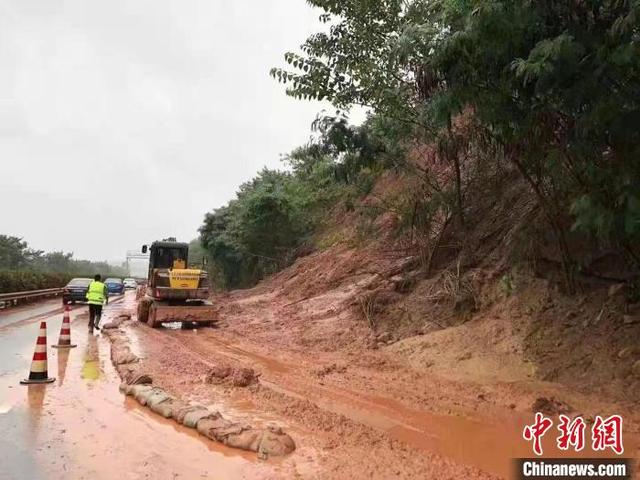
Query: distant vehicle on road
pixel 114 285
pixel 130 283
pixel 76 290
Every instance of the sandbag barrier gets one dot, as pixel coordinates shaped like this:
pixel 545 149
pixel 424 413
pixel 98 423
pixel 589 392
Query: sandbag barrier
pixel 116 322
pixel 270 441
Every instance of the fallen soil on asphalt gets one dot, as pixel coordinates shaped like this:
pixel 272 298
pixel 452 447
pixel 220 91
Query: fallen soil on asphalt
pixel 353 411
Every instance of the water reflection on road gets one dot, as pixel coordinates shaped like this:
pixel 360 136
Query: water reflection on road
pixel 91 363
pixel 82 427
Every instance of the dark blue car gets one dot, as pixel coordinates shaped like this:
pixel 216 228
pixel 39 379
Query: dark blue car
pixel 76 291
pixel 114 286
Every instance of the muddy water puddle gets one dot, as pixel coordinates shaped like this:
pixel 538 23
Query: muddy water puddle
pixel 486 443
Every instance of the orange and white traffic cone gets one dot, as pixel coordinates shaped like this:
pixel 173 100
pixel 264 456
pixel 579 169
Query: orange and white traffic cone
pixel 64 341
pixel 39 372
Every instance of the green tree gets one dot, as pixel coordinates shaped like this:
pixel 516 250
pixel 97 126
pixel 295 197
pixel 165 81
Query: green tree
pixel 197 253
pixel 216 238
pixel 552 86
pixel 15 253
pixel 22 268
pixel 56 262
pixel 274 215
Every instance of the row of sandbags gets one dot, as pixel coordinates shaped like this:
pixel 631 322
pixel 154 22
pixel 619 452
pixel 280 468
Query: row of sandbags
pixel 265 441
pixel 121 354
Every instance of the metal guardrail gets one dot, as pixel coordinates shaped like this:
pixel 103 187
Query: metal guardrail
pixel 7 299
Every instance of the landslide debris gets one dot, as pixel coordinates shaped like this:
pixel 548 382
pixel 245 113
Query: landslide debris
pixel 235 376
pixel 269 441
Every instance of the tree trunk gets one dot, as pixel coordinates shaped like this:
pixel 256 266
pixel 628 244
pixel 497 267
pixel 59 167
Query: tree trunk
pixel 452 153
pixel 556 227
pixel 459 206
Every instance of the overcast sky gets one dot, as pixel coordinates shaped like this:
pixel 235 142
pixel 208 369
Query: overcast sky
pixel 124 121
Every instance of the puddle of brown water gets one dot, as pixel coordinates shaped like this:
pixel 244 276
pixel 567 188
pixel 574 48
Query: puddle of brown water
pixel 489 445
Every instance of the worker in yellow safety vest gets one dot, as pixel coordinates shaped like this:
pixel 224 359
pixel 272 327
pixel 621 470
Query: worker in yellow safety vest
pixel 97 295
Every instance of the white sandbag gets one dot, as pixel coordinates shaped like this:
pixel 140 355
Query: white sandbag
pixel 164 408
pixel 246 440
pixel 135 390
pixel 208 426
pixel 143 394
pixel 192 418
pixel 183 410
pixel 157 396
pixel 275 443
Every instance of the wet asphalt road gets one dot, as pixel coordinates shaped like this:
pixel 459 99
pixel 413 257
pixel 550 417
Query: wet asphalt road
pixel 80 426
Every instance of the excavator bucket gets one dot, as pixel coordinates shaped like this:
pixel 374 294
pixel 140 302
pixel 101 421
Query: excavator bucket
pixel 154 313
pixel 182 313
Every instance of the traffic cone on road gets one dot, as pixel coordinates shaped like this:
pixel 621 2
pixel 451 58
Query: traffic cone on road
pixel 65 331
pixel 39 372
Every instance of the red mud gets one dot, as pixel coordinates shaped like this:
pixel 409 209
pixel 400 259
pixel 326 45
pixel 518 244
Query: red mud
pixel 354 412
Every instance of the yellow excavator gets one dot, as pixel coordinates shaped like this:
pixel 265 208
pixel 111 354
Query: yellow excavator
pixel 174 292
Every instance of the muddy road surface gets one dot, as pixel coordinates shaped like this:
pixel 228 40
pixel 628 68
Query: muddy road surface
pixel 352 412
pixel 80 426
pixel 355 412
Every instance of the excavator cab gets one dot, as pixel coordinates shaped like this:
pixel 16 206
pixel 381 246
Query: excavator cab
pixel 170 257
pixel 174 292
